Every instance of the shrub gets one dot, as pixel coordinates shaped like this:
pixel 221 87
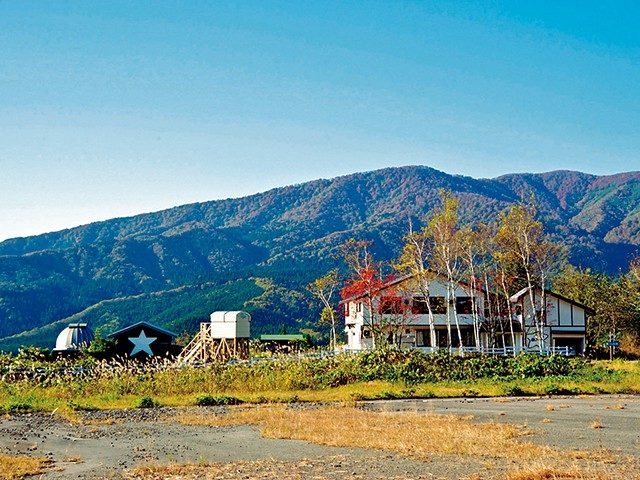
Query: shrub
pixel 206 400
pixel 514 391
pixel 553 389
pixel 470 393
pixel 75 406
pixel 147 402
pixel 19 407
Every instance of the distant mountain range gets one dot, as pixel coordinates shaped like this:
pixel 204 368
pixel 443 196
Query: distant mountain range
pixel 175 266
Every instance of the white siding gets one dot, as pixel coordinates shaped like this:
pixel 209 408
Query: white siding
pixel 578 316
pixel 565 313
pixel 230 324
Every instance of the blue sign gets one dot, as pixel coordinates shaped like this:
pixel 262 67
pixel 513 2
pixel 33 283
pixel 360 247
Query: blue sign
pixel 612 344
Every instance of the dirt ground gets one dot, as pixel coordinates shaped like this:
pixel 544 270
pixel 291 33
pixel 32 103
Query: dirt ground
pixel 108 443
pixel 563 422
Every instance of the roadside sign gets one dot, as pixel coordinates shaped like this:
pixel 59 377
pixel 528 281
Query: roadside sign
pixel 612 344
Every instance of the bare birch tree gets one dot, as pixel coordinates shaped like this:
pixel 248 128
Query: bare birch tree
pixel 444 232
pixel 324 289
pixel 520 241
pixel 414 262
pixel 473 252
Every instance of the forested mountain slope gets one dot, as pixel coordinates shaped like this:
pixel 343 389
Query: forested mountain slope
pixel 285 237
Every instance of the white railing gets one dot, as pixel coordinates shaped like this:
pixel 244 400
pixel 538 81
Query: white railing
pixel 566 351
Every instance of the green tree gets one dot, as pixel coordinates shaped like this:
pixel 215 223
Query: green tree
pixel 615 301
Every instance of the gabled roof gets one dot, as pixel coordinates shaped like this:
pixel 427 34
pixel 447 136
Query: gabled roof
pixel 518 295
pixel 148 325
pixel 402 279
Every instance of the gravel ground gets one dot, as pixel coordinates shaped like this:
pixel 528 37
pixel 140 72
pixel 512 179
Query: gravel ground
pixel 563 422
pixel 107 443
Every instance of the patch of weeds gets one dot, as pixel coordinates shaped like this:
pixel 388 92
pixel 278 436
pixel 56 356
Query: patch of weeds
pixel 357 396
pixel 146 402
pixel 19 407
pixel 293 399
pixel 470 393
pixel 427 394
pixel 75 406
pixel 514 391
pixel 206 400
pixel 408 392
pixel 388 395
pixel 554 389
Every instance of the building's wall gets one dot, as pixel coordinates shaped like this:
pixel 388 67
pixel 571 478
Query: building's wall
pixel 357 317
pixel 358 311
pixel 230 329
pixel 565 322
pixel 503 339
pixel 161 346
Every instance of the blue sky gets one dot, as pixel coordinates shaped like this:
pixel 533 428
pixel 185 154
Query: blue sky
pixel 115 108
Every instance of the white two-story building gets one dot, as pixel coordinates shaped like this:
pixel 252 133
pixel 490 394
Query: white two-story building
pixel 400 316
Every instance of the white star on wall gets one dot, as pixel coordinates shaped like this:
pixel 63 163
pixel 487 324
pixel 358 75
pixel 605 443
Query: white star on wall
pixel 142 343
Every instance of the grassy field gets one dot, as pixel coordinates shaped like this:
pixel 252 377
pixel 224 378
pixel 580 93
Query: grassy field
pixel 340 379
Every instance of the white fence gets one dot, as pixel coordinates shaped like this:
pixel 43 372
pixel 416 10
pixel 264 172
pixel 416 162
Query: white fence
pixel 566 351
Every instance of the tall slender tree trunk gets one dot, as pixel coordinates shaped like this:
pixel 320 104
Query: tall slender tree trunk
pixel 449 332
pixel 543 309
pixel 488 300
pixel 371 321
pixel 334 341
pixel 455 315
pixel 534 312
pixel 432 327
pixel 509 311
pixel 474 309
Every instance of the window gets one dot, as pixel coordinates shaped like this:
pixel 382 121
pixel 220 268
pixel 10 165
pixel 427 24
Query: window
pixel 359 307
pixel 419 306
pixel 423 338
pixel 391 305
pixel 464 305
pixel 438 305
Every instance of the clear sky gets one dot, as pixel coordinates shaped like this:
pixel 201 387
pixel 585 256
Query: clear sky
pixel 115 108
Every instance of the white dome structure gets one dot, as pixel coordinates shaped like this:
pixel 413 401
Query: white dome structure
pixel 76 337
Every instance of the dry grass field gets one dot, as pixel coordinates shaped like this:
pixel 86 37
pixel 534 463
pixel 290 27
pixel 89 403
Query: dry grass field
pixel 473 439
pixel 420 436
pixel 410 434
pixel 15 467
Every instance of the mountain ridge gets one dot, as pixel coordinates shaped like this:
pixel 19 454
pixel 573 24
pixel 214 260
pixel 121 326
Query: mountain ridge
pixel 291 234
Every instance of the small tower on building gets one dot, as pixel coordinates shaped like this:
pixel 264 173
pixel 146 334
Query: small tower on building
pixel 226 336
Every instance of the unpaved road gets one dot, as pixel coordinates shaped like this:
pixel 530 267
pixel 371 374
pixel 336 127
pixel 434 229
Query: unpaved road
pixel 97 449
